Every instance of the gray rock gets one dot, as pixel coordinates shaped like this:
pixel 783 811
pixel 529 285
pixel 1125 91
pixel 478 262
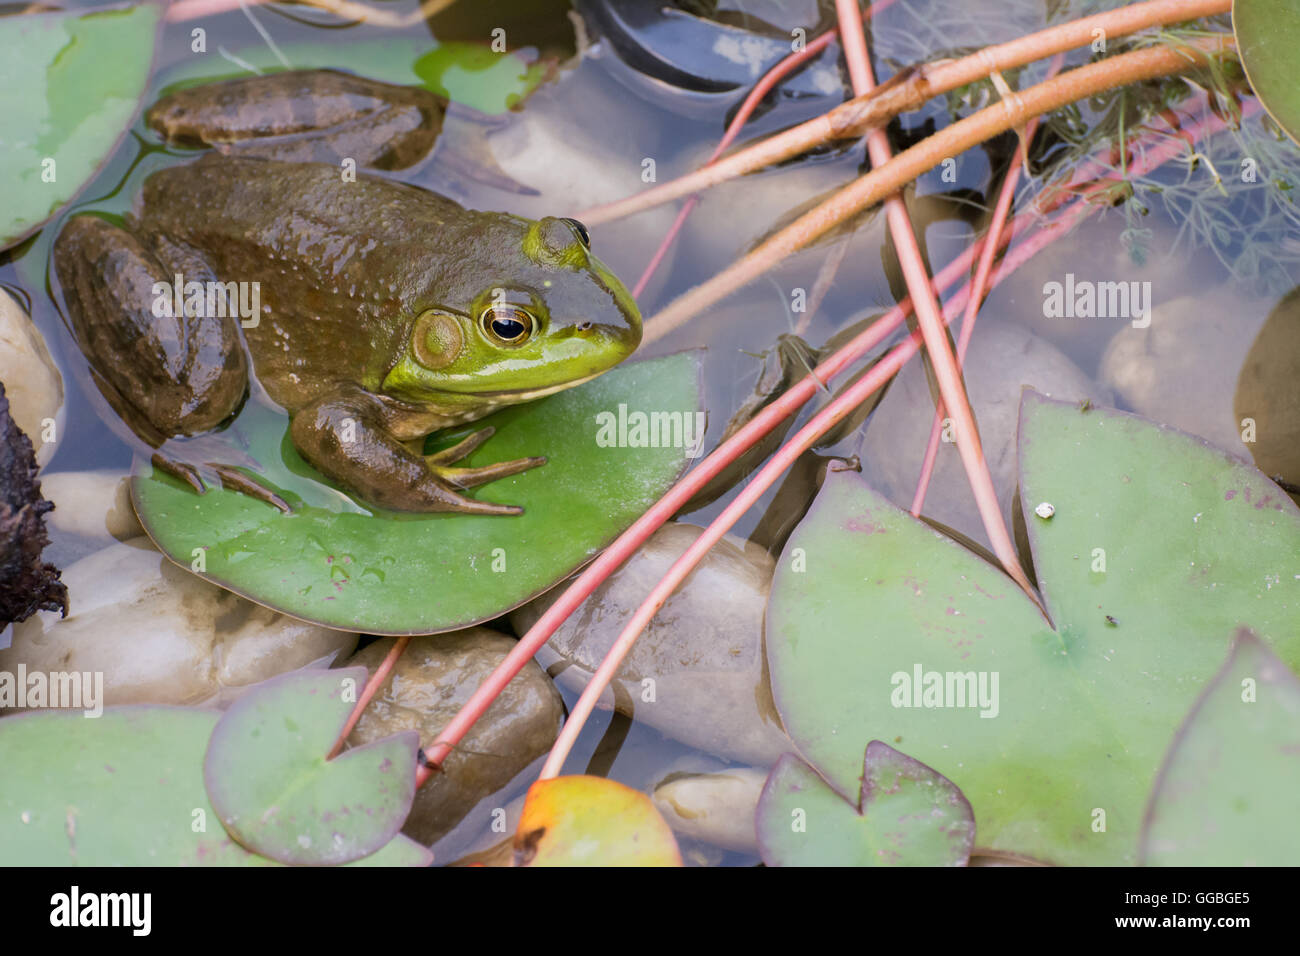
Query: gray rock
pixel 698 673
pixel 1183 369
pixel 716 807
pixel 161 635
pixel 431 680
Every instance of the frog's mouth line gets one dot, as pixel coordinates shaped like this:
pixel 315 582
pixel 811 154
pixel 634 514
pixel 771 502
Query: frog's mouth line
pixel 527 395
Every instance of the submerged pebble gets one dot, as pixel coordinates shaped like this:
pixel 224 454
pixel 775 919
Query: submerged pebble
pixel 92 504
pixel 161 635
pixel 1182 370
pixel 32 381
pixel 716 807
pixel 432 679
pixel 698 673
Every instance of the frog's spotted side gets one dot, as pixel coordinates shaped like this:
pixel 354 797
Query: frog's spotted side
pixel 388 312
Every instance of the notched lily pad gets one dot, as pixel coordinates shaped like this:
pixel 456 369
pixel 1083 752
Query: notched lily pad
pixel 905 815
pixel 1226 795
pixel 592 821
pixel 1268 35
pixel 275 792
pixel 340 565
pixel 123 789
pixel 1157 546
pixel 56 132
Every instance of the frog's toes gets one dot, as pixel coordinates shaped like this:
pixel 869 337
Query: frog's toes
pixel 233 479
pixel 472 477
pixel 463 448
pixel 180 470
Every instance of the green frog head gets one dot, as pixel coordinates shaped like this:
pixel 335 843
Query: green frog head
pixel 525 310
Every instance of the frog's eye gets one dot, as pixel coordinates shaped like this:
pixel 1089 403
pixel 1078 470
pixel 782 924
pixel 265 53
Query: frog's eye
pixel 581 230
pixel 506 324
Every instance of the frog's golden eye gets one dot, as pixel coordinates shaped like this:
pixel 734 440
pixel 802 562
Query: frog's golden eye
pixel 506 324
pixel 581 230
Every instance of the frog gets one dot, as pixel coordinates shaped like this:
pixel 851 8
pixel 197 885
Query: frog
pixel 386 312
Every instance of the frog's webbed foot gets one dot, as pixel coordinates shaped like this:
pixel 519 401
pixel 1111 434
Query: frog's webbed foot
pixel 229 477
pixel 442 462
pixel 344 434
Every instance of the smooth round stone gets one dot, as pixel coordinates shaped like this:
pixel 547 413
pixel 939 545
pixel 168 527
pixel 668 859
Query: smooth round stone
pixel 32 381
pixel 92 504
pixel 1183 369
pixel 698 673
pixel 160 635
pixel 432 679
pixel 1095 252
pixel 717 808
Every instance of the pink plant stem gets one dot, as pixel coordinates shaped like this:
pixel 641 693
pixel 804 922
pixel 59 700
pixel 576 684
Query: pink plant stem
pixel 767 476
pixel 929 80
pixel 630 540
pixel 372 687
pixel 982 272
pixel 937 345
pixel 922 295
pixel 760 90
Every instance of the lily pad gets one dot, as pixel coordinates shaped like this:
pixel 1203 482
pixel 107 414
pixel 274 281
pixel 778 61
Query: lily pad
pixel 592 821
pixel 905 814
pixel 1268 35
pixel 341 565
pixel 1157 546
pixel 1227 792
pixel 123 789
pixel 275 792
pixel 56 135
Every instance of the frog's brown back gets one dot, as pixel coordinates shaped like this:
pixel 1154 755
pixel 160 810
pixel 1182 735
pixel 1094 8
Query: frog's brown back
pixel 343 267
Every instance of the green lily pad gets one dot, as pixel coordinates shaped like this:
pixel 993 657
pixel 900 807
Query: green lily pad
pixel 1268 35
pixel 341 565
pixel 51 63
pixel 1226 795
pixel 905 814
pixel 276 793
pixel 1158 547
pixel 123 789
pixel 478 76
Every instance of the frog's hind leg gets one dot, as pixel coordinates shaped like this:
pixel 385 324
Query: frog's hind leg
pixel 165 375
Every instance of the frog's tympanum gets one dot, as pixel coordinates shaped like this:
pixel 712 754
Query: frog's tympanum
pixel 387 312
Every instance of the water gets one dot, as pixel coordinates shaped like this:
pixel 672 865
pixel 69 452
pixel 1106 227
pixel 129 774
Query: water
pixel 611 120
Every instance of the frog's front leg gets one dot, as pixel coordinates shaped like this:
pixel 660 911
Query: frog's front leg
pixel 346 435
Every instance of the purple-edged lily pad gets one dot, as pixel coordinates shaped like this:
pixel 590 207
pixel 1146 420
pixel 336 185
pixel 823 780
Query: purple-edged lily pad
pixel 905 814
pixel 1226 795
pixel 275 792
pixel 123 789
pixel 1156 548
